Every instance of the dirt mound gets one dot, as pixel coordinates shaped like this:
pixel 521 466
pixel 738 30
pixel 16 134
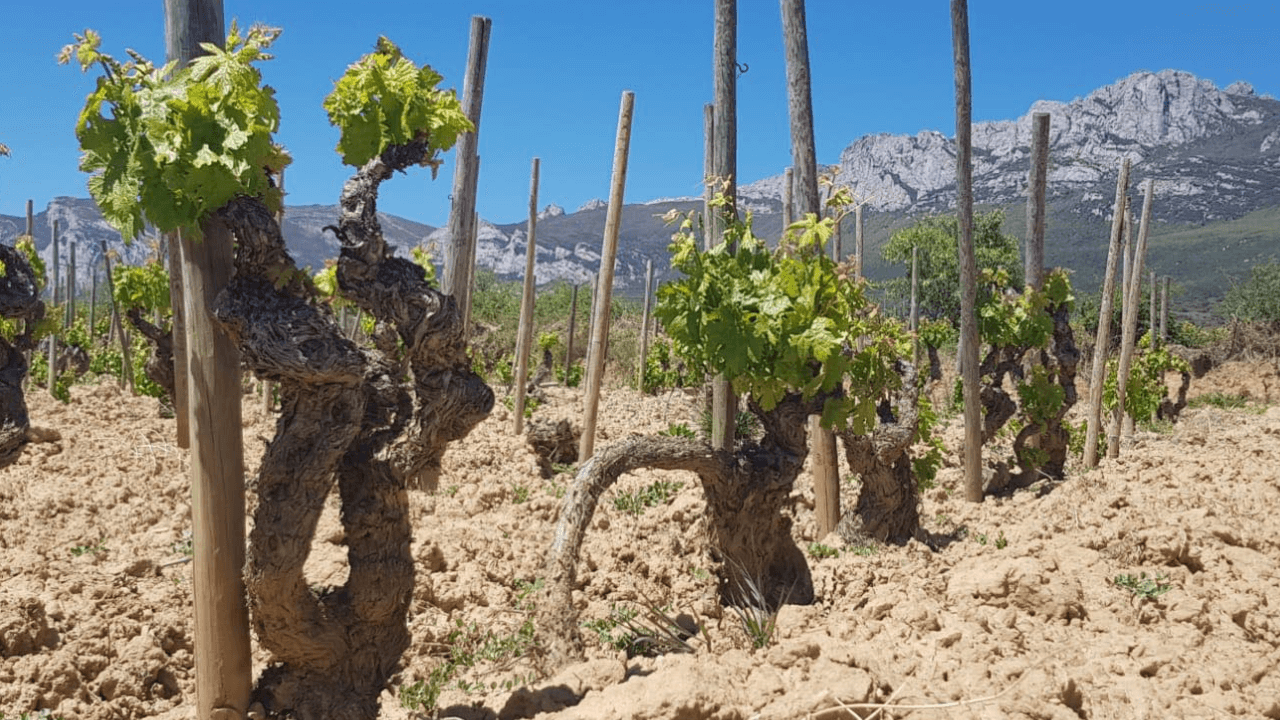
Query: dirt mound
pixel 1017 611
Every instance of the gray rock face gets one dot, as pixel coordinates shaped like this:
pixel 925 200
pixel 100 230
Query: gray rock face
pixel 1198 142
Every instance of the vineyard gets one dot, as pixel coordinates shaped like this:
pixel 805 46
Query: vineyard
pixel 231 487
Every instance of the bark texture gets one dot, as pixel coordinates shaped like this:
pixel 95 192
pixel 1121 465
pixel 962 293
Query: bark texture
pixel 888 507
pixel 159 368
pixel 375 421
pixel 1051 438
pixel 19 300
pixel 746 491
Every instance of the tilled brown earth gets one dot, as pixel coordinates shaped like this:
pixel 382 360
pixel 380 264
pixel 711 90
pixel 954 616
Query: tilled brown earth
pixel 1014 614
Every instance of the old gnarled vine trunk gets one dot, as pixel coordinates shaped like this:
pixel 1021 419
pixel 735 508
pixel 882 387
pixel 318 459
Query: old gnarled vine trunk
pixel 888 506
pixel 372 420
pixel 159 368
pixel 746 491
pixel 19 300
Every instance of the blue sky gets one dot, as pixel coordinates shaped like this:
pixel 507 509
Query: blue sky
pixel 557 69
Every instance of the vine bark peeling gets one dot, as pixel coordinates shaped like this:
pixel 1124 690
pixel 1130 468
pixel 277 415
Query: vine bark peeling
pixel 375 420
pixel 19 300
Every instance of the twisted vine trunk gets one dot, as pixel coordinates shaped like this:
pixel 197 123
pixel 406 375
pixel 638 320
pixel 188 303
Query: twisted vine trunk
pixel 159 368
pixel 19 300
pixel 888 507
pixel 370 420
pixel 1053 438
pixel 745 490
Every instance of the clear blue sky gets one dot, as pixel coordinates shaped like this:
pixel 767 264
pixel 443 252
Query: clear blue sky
pixel 557 69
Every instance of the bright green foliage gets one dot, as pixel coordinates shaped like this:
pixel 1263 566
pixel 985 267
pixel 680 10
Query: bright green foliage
pixel 144 287
pixel 779 322
pixel 384 99
pixel 26 245
pixel 660 371
pixel 169 147
pixel 1145 389
pixel 937 236
pixel 1258 298
pixel 422 257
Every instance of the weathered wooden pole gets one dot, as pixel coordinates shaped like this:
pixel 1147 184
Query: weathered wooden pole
pixel 525 339
pixel 52 377
pixel 472 243
pixel 915 308
pixel 1130 246
pixel 708 170
pixel 116 327
pixel 826 475
pixel 788 200
pixel 573 321
pixel 1164 311
pixel 93 305
pixel 644 323
pixel 459 252
pixel 1036 184
pixel 1129 335
pixel 968 263
pixel 724 403
pixel 71 284
pixel 837 241
pixel 31 219
pixel 54 267
pixel 178 329
pixel 1151 312
pixel 1102 340
pixel 221 635
pixel 857 241
pixel 604 286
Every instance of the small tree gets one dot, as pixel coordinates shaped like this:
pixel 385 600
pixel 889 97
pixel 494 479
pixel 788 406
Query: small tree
pixel 21 280
pixel 1257 299
pixel 939 270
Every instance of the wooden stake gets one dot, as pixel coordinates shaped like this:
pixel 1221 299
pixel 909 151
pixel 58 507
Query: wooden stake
pixel 1102 340
pixel 1151 312
pixel 788 201
pixel 724 403
pixel 54 269
pixel 525 339
pixel 915 308
pixel 1036 183
pixel 826 475
pixel 858 265
pixel 644 323
pixel 573 321
pixel 71 285
pixel 459 252
pixel 221 632
pixel 708 170
pixel 968 263
pixel 604 289
pixel 1164 311
pixel 1131 324
pixel 93 306
pixel 31 220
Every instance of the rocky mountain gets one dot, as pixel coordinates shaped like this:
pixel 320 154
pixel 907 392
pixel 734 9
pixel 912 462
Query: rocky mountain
pixel 1214 155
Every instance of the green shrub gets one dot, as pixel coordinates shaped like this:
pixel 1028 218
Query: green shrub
pixel 1256 299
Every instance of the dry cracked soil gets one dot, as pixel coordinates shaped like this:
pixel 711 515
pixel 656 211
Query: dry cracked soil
pixel 1015 612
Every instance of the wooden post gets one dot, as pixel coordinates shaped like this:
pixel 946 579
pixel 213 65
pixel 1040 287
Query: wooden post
pixel 117 326
pixel 604 287
pixel 1034 268
pixel 826 475
pixel 837 242
pixel 1129 247
pixel 788 201
pixel 724 404
pixel 1130 325
pixel 470 283
pixel 525 338
pixel 644 323
pixel 53 267
pixel 968 263
pixel 708 169
pixel 71 285
pixel 858 265
pixel 1102 340
pixel 93 306
pixel 1164 311
pixel 915 308
pixel 221 632
pixel 1151 312
pixel 31 220
pixel 573 320
pixel 459 251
